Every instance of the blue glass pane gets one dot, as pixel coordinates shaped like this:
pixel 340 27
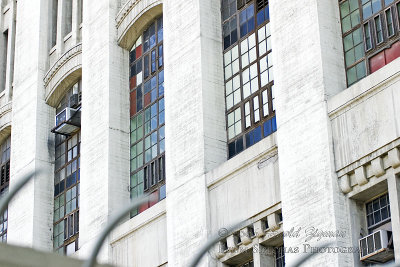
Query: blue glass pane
pixel 239 145
pixel 162 132
pixel 163 192
pixel 161 117
pixel 273 124
pixel 138 66
pixel 154 82
pixel 153 95
pixel 249 139
pixel 161 105
pixel 388 2
pixel 146 66
pixel 231 150
pixel 132 71
pixel 62 186
pixel 257 134
pixel 161 89
pixel 260 17
pixel 146 45
pixel 160 29
pixel 267 128
pixel 139 105
pixel 376 6
pixel 367 10
pixel 147 87
pixel 152 35
pixel 56 189
pixel 132 55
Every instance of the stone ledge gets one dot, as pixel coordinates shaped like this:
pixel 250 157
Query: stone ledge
pixel 374 165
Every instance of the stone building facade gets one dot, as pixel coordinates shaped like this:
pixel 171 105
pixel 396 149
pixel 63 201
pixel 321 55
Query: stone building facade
pixel 278 114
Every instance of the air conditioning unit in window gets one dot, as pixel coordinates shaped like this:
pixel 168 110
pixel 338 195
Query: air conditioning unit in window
pixel 376 248
pixel 74 101
pixel 67 121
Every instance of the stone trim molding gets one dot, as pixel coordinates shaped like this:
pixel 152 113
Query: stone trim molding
pixel 376 164
pixel 55 79
pixel 133 17
pixel 247 241
pixel 363 89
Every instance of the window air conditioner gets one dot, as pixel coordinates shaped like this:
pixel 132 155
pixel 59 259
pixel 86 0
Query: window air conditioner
pixel 375 247
pixel 67 121
pixel 74 101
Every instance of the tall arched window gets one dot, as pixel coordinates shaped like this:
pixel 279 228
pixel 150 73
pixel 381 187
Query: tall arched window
pixel 4 183
pixel 147 115
pixel 67 180
pixel 250 113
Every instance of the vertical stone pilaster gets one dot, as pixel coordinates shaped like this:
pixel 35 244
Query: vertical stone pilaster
pixel 195 120
pixel 105 124
pixel 32 144
pixel 308 61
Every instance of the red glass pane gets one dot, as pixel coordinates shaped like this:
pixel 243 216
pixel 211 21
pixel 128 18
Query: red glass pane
pixel 143 207
pixel 377 62
pixel 392 53
pixel 139 51
pixel 132 82
pixel 147 99
pixel 133 103
pixel 154 197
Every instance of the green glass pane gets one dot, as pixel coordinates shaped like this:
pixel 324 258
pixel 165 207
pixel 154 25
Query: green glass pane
pixel 140 160
pixel 139 133
pixel 133 164
pixel 140 189
pixel 357 36
pixel 133 123
pixel 147 114
pixel 344 9
pixel 350 59
pixel 62 200
pixel 140 176
pixel 134 179
pixel 139 147
pixel 147 128
pixel 134 212
pixel 139 120
pixel 355 18
pixel 133 151
pixel 147 142
pixel 348 42
pixel 351 76
pixel 134 192
pixel 56 203
pixel 346 24
pixel 133 136
pixel 69 195
pixel 361 70
pixel 147 155
pixel 56 215
pixel 353 5
pixel 359 51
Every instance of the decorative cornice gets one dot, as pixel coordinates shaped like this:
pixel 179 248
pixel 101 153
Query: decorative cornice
pixel 61 62
pixel 126 8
